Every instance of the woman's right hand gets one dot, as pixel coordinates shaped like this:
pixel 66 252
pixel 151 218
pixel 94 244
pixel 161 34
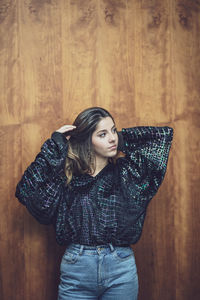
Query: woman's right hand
pixel 64 129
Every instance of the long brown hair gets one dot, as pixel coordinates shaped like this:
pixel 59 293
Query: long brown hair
pixel 80 157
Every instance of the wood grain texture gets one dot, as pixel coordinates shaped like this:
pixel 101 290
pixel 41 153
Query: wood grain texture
pixel 40 63
pixel 12 261
pixel 42 256
pixel 141 61
pixel 152 79
pixel 9 63
pixel 186 62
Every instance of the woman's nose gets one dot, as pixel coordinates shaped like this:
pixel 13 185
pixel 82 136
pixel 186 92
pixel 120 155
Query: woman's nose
pixel 111 137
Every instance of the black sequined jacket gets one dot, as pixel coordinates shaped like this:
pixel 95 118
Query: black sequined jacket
pixel 107 208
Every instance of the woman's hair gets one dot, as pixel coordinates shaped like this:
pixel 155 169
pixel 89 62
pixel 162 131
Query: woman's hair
pixel 80 157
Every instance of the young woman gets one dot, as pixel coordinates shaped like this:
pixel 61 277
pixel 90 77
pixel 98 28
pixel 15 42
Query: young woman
pixel 96 202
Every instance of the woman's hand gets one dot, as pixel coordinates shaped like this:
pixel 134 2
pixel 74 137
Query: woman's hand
pixel 64 129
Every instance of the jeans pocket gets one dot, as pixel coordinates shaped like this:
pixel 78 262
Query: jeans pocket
pixel 123 254
pixel 70 258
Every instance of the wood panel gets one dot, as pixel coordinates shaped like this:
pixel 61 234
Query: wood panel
pixel 10 103
pixel 141 61
pixel 42 255
pixel 40 59
pixel 154 101
pixel 80 63
pixel 155 105
pixel 12 262
pixel 186 62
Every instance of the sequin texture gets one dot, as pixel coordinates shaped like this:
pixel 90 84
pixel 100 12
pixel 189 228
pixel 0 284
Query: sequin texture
pixel 107 208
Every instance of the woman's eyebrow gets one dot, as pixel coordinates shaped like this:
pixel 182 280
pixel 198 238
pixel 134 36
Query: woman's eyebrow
pixel 106 129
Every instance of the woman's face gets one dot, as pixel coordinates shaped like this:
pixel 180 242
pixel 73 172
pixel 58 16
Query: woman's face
pixel 105 138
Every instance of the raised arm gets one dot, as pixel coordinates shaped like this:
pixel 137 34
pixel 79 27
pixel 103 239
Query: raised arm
pixel 146 152
pixel 41 184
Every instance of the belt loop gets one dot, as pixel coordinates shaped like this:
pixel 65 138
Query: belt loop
pixel 81 249
pixel 111 247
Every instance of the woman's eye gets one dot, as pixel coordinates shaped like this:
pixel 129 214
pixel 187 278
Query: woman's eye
pixel 102 134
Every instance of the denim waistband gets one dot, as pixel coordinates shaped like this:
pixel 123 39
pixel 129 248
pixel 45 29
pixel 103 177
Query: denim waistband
pixel 92 247
pixel 96 248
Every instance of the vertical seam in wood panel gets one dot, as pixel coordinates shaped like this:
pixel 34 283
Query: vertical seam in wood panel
pixel 172 77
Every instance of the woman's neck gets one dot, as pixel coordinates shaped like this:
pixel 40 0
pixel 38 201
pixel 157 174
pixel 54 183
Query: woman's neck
pixel 100 163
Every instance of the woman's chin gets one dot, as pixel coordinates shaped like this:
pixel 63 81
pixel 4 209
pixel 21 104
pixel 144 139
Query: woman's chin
pixel 112 153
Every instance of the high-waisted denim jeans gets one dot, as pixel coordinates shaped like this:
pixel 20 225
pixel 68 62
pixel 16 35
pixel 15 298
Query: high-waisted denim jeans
pixel 102 272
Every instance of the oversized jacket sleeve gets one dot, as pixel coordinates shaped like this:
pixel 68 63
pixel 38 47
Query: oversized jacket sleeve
pixel 142 170
pixel 41 185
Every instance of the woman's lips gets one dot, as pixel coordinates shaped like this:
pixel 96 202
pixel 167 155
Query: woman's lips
pixel 114 147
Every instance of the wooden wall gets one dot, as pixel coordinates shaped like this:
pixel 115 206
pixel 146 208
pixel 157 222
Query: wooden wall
pixel 141 60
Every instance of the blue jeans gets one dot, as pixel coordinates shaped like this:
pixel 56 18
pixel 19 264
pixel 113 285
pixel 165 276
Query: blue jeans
pixel 103 272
